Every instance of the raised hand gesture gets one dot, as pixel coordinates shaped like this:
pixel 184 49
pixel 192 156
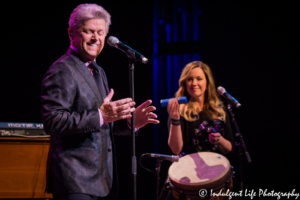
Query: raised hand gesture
pixel 143 115
pixel 116 110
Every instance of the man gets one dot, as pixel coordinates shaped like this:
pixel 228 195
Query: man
pixel 77 113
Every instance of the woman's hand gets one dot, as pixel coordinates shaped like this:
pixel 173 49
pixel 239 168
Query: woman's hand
pixel 223 144
pixel 175 141
pixel 214 138
pixel 173 109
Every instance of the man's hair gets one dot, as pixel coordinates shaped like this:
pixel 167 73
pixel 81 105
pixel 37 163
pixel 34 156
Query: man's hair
pixel 84 12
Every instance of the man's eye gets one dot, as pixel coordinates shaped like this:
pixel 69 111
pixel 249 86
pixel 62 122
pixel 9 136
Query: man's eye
pixel 87 31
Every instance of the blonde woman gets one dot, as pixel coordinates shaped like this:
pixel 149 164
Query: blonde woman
pixel 197 84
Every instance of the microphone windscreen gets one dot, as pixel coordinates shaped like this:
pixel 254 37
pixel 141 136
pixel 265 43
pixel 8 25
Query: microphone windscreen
pixel 221 90
pixel 112 41
pixel 176 159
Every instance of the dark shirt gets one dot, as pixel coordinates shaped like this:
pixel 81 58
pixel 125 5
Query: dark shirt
pixel 193 143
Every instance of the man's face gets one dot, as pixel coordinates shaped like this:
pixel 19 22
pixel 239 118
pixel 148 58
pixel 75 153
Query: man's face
pixel 89 38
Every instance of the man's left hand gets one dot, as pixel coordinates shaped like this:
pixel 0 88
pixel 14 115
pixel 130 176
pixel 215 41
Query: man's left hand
pixel 143 115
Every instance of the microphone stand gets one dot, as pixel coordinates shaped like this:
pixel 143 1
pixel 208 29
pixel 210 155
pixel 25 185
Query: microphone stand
pixel 133 157
pixel 132 57
pixel 158 165
pixel 242 147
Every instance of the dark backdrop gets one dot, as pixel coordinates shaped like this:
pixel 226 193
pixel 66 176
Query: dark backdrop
pixel 251 48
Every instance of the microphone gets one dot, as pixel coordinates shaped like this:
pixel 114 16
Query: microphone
pixel 164 102
pixel 171 158
pixel 225 94
pixel 115 42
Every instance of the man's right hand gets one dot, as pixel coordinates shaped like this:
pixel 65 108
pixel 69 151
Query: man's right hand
pixel 116 110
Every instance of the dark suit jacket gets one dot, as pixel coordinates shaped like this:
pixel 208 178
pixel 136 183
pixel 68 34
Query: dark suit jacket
pixel 81 154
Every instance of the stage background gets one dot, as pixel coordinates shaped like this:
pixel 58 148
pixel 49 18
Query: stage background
pixel 251 48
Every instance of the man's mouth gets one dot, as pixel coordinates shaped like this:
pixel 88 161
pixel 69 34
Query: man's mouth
pixel 94 45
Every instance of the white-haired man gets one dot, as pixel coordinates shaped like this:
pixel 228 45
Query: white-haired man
pixel 78 114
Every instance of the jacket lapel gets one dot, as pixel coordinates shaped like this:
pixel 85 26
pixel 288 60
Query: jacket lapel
pixel 86 74
pixel 104 80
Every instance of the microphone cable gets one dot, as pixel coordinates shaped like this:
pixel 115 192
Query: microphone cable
pixel 140 161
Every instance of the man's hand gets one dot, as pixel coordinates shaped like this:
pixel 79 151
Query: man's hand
pixel 143 115
pixel 116 110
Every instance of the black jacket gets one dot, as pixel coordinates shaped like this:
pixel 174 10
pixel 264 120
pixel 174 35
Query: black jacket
pixel 81 154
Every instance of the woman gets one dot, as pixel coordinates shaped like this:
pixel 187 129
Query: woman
pixel 197 84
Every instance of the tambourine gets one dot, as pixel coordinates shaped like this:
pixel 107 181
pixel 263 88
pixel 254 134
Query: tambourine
pixel 201 134
pixel 211 126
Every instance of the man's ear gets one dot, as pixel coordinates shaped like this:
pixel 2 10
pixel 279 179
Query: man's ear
pixel 71 33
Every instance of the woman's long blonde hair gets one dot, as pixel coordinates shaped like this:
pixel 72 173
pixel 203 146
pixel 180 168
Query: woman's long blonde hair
pixel 212 106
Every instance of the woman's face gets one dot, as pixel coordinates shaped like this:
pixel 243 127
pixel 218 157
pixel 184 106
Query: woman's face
pixel 196 83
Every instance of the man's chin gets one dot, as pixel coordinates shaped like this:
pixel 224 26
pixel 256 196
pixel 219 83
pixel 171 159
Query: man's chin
pixel 89 57
pixel 92 58
pixel 92 55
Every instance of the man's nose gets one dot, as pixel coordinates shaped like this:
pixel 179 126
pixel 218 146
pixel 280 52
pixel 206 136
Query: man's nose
pixel 95 36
